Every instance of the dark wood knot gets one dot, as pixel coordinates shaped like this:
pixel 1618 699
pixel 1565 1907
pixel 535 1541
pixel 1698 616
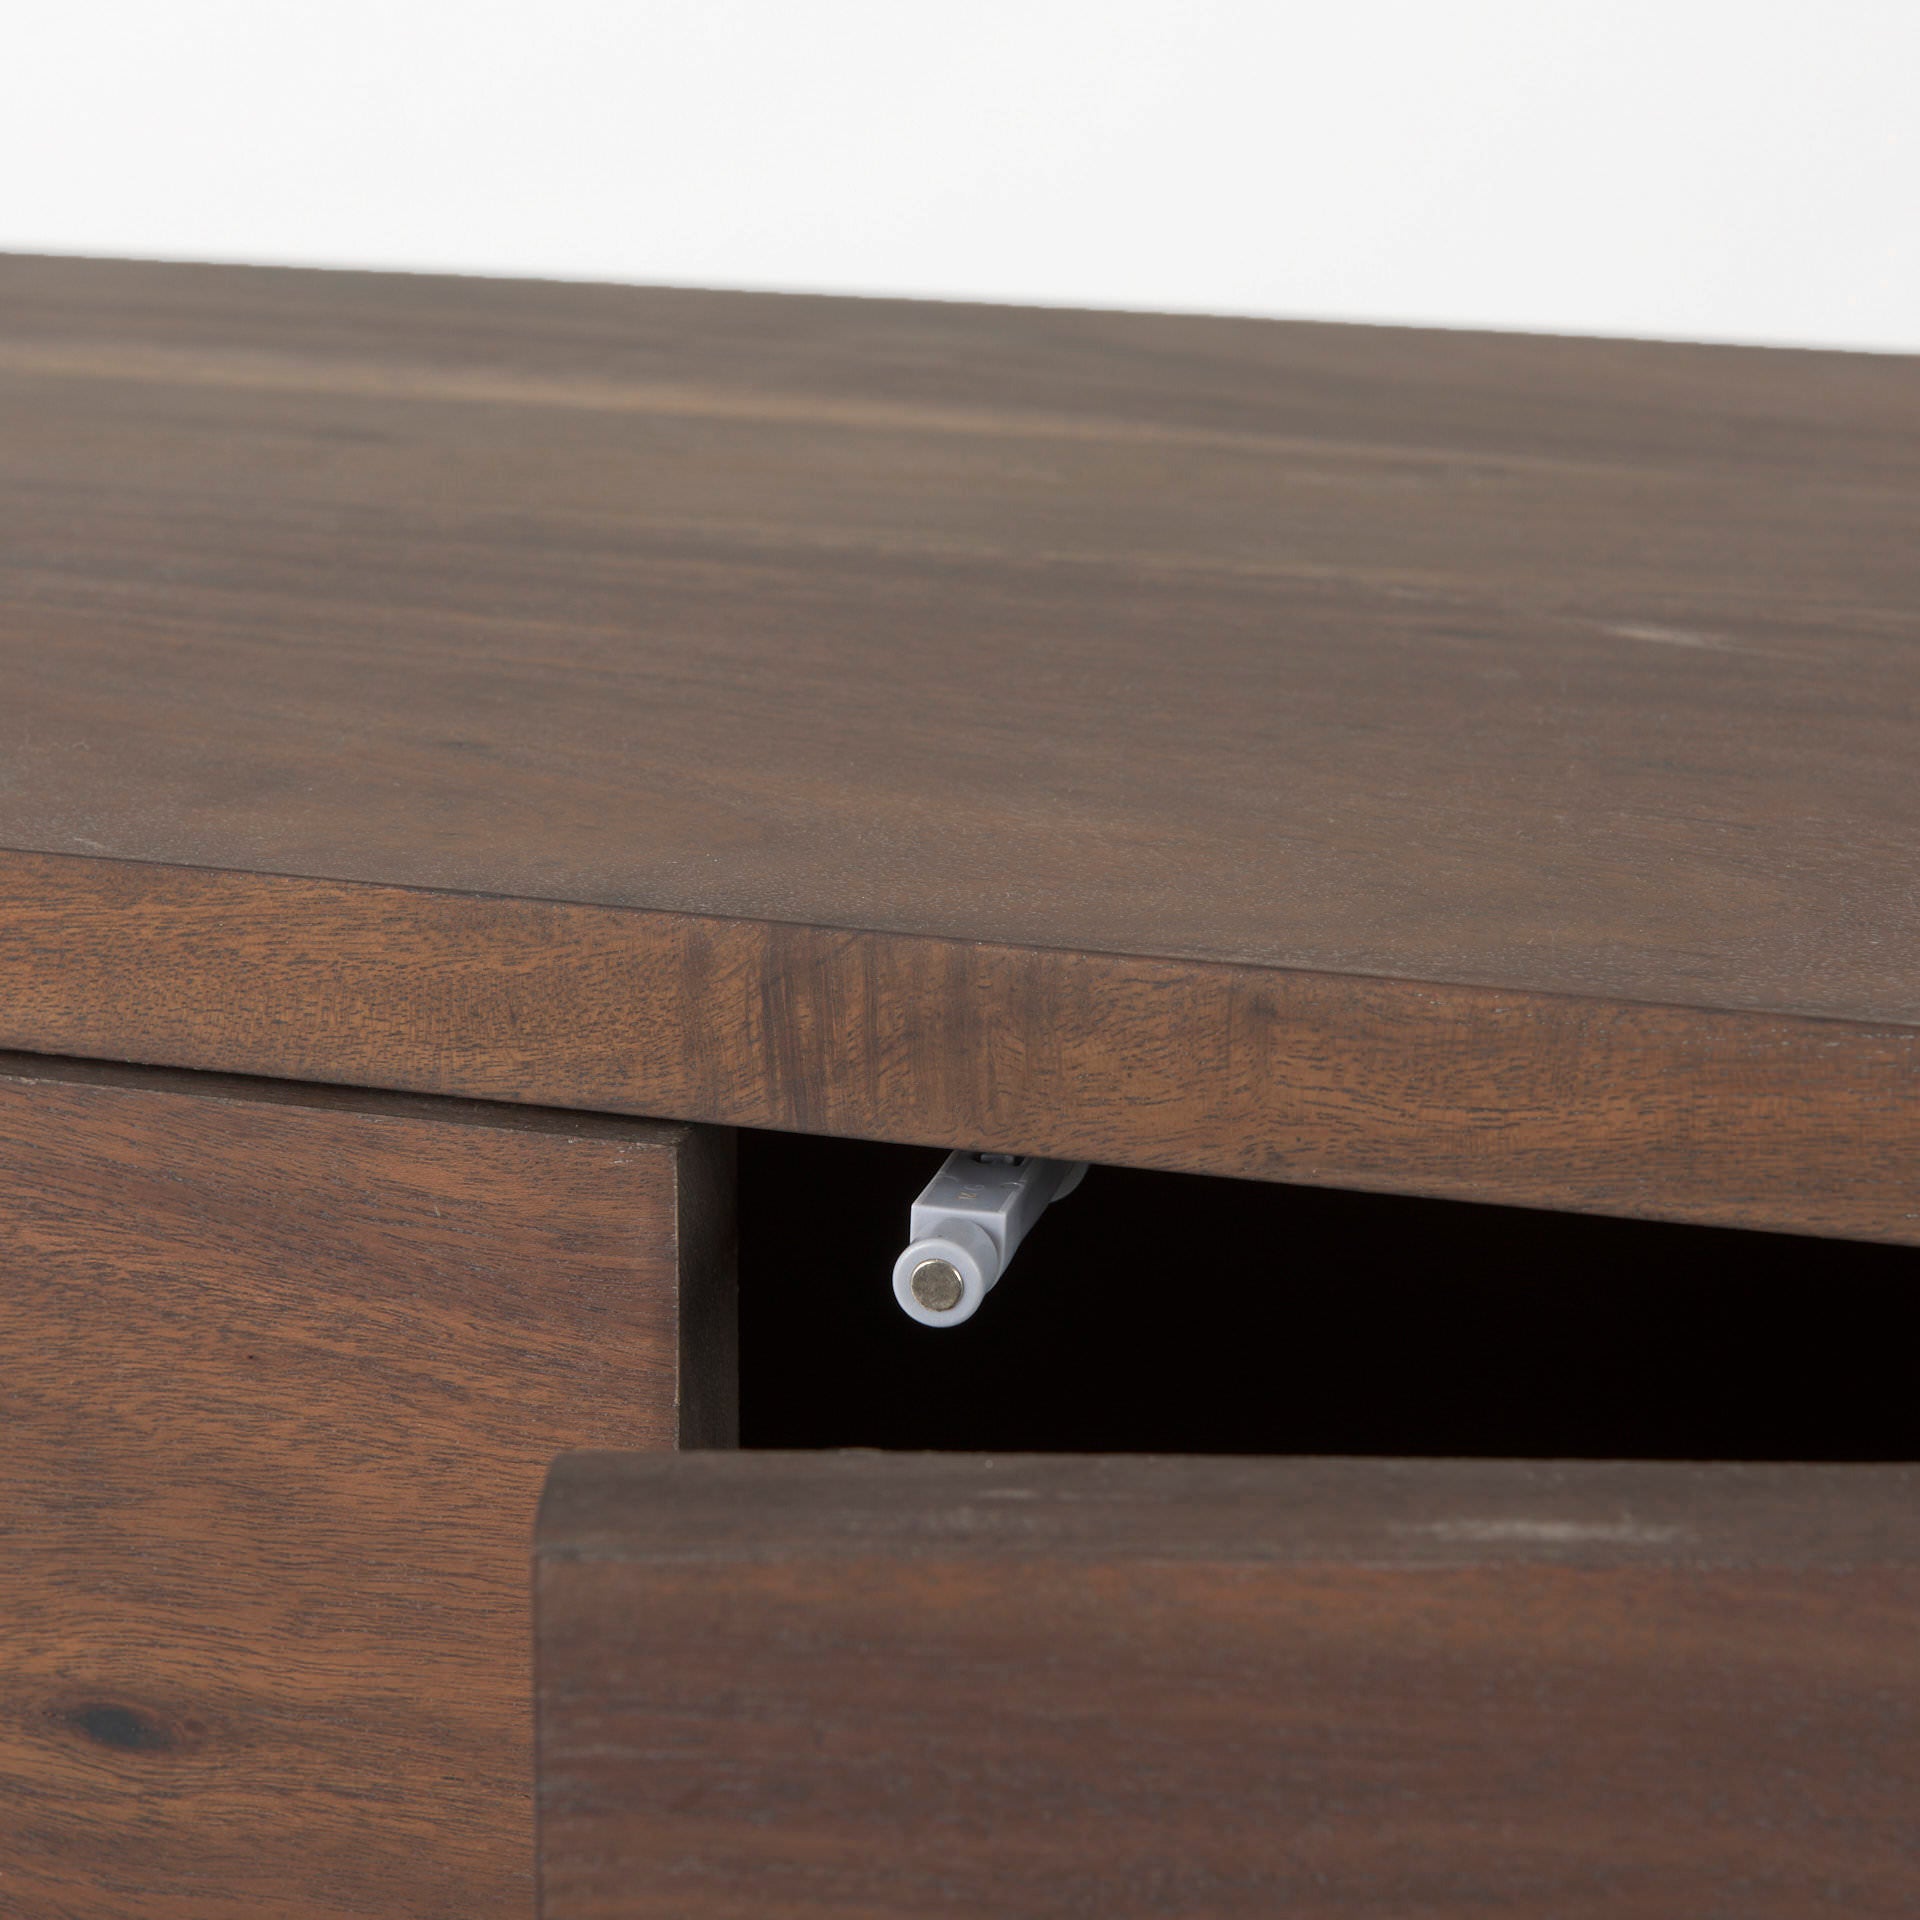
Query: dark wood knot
pixel 126 1729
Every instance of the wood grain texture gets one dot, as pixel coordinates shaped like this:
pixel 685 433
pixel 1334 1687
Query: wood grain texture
pixel 775 1686
pixel 1263 654
pixel 1544 1100
pixel 280 1372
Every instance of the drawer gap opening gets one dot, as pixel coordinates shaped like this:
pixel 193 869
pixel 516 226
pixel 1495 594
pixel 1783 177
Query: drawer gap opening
pixel 1175 1313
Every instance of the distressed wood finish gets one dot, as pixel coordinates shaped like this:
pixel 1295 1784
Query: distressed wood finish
pixel 1457 763
pixel 776 1686
pixel 280 1372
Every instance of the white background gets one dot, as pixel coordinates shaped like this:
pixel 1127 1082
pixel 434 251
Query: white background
pixel 1713 169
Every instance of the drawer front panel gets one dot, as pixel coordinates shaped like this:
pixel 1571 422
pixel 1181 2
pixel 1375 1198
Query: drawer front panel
pixel 282 1370
pixel 786 1685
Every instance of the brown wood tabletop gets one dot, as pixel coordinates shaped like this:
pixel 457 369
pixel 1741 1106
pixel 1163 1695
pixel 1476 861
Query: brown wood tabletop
pixel 281 1371
pixel 777 1686
pixel 1442 762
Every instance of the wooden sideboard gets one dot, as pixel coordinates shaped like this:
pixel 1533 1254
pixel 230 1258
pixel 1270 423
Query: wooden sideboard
pixel 467 747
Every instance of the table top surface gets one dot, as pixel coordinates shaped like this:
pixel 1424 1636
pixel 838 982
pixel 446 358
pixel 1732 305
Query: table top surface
pixel 1566 667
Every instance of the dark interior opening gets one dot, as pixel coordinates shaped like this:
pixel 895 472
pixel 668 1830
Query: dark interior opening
pixel 1156 1312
